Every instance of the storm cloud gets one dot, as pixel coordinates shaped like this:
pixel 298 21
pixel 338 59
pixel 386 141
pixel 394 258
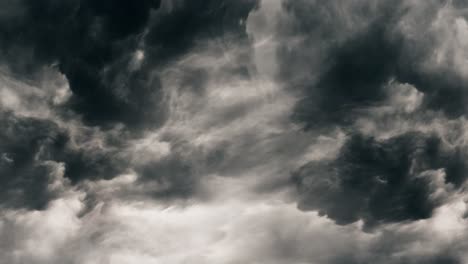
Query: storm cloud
pixel 394 180
pixel 111 52
pixel 234 131
pixel 343 56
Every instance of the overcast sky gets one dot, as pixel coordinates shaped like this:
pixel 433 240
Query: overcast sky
pixel 233 131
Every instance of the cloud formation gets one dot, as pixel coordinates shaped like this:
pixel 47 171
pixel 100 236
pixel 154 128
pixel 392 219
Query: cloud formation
pixel 110 52
pixel 274 131
pixel 399 179
pixel 343 56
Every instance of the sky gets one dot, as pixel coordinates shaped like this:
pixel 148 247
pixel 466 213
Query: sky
pixel 233 131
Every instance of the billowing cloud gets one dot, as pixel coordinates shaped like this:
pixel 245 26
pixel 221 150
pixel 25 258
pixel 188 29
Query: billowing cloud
pixel 344 55
pixel 399 179
pixel 110 51
pixel 236 131
pixel 26 145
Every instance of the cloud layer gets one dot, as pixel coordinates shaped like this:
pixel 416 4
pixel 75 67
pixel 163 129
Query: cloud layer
pixel 274 131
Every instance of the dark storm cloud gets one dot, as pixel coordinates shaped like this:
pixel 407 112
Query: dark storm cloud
pixel 345 57
pixel 28 145
pixel 83 164
pixel 112 54
pixel 92 42
pixel 24 179
pixel 108 50
pixel 174 178
pixel 179 24
pixel 444 90
pixel 351 73
pixel 355 79
pixel 340 57
pixel 380 181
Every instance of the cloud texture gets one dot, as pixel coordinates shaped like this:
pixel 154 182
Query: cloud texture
pixel 234 131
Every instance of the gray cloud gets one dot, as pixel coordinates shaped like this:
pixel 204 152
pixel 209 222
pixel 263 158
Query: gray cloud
pixel 25 146
pixel 173 131
pixel 346 63
pixel 381 181
pixel 110 51
pixel 341 58
pixel 112 55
